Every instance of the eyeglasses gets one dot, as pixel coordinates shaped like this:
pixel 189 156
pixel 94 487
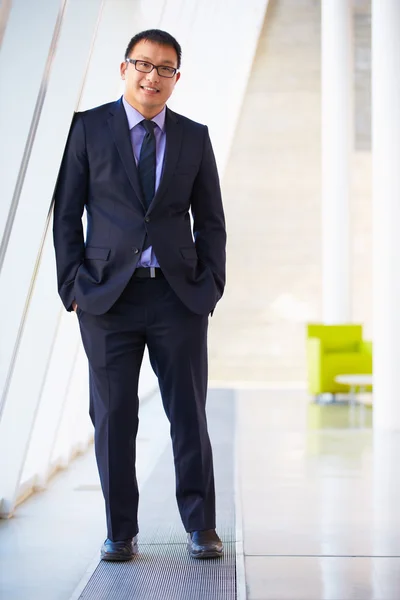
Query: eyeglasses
pixel 147 67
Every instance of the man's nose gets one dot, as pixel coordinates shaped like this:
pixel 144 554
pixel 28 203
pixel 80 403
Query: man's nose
pixel 153 75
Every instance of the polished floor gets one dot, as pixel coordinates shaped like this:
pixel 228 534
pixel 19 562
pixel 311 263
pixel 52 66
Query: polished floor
pixel 320 500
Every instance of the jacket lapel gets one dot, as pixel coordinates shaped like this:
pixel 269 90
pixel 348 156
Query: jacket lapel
pixel 120 129
pixel 173 131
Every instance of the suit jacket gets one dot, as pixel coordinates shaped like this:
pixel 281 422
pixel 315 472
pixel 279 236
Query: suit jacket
pixel 98 171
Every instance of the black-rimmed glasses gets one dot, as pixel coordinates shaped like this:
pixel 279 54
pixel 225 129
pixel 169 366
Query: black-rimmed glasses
pixel 146 67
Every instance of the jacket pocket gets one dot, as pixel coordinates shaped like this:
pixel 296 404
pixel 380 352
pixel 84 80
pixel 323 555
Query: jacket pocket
pixel 189 253
pixel 97 253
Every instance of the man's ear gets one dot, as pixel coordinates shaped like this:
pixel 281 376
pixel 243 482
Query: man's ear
pixel 122 69
pixel 178 76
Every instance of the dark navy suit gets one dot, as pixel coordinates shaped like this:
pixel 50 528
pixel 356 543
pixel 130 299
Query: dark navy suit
pixel 119 314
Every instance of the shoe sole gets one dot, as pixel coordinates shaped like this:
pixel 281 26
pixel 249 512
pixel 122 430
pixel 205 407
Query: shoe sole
pixel 116 557
pixel 201 555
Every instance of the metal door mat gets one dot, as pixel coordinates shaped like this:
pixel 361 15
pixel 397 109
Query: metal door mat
pixel 163 569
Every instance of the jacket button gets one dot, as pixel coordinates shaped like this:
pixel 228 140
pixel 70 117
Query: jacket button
pixel 135 250
pixel 147 219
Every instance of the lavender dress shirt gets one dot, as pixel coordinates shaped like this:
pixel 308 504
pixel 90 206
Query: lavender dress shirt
pixel 147 258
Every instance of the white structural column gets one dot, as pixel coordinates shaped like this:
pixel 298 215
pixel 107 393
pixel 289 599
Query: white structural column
pixel 337 140
pixel 386 211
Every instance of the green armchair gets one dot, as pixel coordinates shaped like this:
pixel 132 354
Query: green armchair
pixel 335 350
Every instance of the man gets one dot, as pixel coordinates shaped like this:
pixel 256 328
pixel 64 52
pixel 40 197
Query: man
pixel 141 279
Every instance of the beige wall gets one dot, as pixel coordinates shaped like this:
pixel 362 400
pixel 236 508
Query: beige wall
pixel 272 190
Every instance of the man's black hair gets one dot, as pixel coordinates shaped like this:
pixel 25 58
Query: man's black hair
pixel 158 37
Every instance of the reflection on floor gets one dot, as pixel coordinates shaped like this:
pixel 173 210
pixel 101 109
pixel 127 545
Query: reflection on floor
pixel 339 415
pixel 321 499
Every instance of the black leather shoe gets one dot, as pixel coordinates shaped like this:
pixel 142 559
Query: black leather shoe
pixel 204 544
pixel 124 550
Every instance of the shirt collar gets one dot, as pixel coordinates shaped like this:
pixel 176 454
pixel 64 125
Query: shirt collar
pixel 135 117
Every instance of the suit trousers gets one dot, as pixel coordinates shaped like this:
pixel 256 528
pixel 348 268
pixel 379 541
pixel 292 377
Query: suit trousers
pixel 149 313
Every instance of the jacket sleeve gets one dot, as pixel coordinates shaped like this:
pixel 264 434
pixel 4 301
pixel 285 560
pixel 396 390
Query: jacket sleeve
pixel 208 216
pixel 69 201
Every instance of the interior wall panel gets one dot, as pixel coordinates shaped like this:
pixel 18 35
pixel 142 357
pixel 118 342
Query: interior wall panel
pixel 74 430
pixel 121 19
pixel 23 57
pixel 5 7
pixel 57 377
pixel 30 325
pixel 218 46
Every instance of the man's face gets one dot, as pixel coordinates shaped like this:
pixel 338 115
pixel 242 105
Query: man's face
pixel 149 92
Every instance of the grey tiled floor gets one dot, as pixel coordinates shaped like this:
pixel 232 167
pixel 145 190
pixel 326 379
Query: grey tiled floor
pixel 321 518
